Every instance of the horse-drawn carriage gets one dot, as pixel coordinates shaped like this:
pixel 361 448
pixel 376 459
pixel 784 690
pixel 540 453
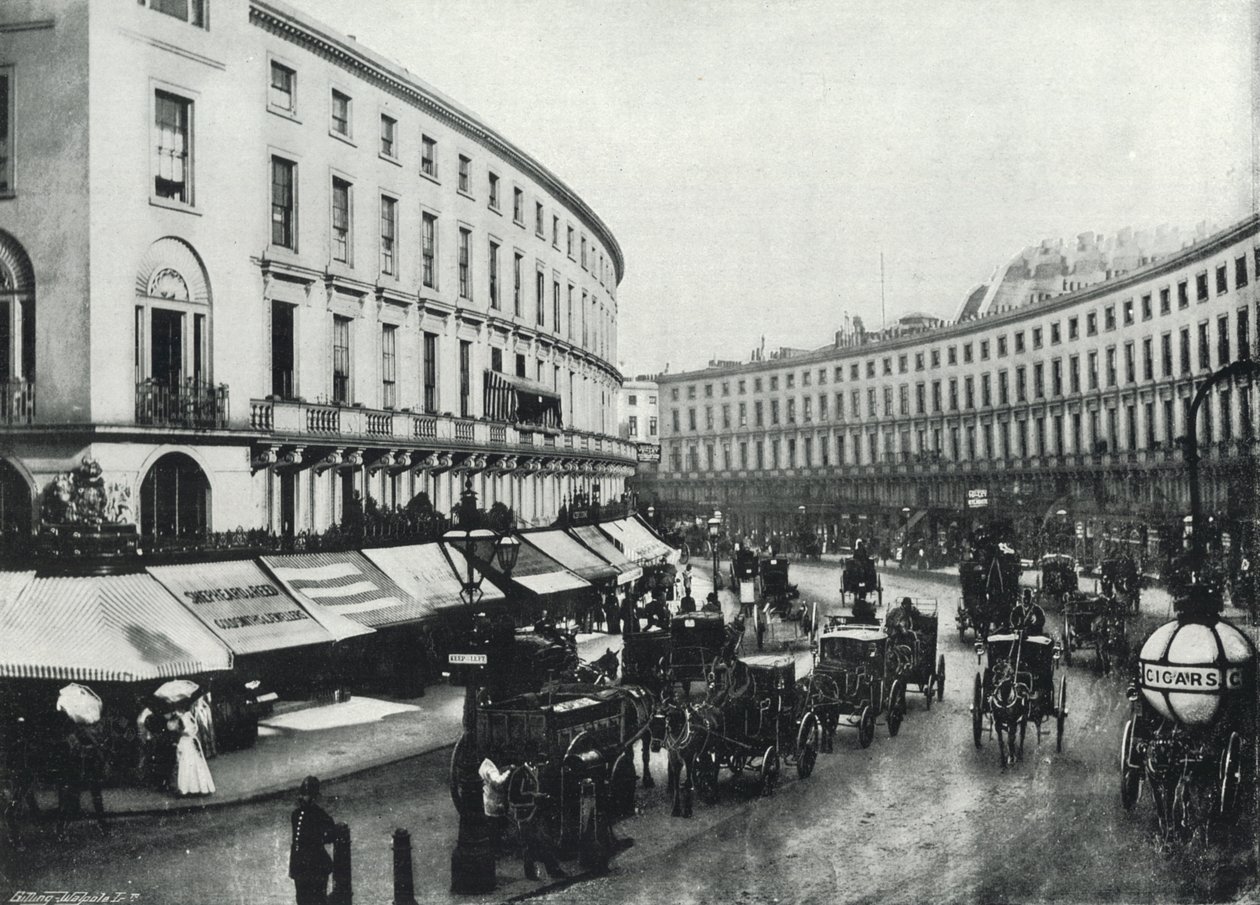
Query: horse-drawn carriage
pixel 855 680
pixel 751 719
pixel 1015 688
pixel 1191 735
pixel 1093 621
pixel 1121 575
pixel 777 593
pixel 860 580
pixel 568 752
pixel 915 647
pixel 1058 578
pixel 990 587
pixel 744 568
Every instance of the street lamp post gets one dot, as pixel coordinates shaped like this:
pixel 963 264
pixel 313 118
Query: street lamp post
pixel 472 860
pixel 715 526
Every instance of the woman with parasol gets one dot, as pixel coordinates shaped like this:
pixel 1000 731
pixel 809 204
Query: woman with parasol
pixel 191 772
pixel 81 755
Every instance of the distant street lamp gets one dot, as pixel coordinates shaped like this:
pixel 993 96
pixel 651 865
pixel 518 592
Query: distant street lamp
pixel 715 527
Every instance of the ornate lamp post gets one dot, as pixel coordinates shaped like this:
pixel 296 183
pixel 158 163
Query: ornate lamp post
pixel 715 527
pixel 472 860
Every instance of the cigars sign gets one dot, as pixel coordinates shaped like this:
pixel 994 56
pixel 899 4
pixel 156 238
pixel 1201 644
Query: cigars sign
pixel 1176 677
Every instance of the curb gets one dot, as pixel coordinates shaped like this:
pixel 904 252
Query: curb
pixel 179 806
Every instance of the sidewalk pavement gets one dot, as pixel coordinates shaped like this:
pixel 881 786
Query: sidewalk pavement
pixel 332 741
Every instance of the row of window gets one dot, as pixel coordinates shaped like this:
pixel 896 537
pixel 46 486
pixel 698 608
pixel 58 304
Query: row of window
pixel 1061 382
pixel 282 98
pixel 633 425
pixel 592 317
pixel 1149 426
pixel 984 349
pixel 284 371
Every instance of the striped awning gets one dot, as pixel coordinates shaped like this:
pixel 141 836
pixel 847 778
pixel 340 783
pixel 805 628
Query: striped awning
pixel 636 542
pixel 113 628
pixel 571 554
pixel 243 605
pixel 519 399
pixel 599 543
pixel 350 585
pixel 535 572
pixel 424 572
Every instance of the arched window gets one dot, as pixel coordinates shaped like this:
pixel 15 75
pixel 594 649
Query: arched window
pixel 174 383
pixel 17 332
pixel 174 498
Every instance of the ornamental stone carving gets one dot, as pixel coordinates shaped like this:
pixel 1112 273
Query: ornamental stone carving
pixel 265 458
pixel 81 497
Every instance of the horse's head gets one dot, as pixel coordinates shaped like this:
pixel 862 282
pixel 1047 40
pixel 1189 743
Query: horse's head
pixel 1009 698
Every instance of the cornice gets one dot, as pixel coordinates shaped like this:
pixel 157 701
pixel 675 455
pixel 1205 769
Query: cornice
pixel 287 23
pixel 1245 228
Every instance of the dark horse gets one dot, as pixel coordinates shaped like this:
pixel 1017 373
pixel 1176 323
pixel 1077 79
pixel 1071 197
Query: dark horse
pixel 1008 708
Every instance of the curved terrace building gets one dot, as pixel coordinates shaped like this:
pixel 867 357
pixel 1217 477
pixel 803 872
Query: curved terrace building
pixel 1062 403
pixel 255 271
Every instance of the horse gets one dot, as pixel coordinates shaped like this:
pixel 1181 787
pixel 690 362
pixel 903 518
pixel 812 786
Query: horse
pixel 687 731
pixel 1008 708
pixel 600 671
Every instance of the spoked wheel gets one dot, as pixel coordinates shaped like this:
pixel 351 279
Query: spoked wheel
pixel 459 767
pixel 523 792
pixel 807 746
pixel 1060 715
pixel 940 678
pixel 622 782
pixel 1130 774
pixel 769 769
pixel 896 709
pixel 1067 642
pixel 866 727
pixel 977 712
pixel 929 691
pixel 706 778
pixel 1231 773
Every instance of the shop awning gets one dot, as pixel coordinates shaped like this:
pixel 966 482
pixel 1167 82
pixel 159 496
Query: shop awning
pixel 637 542
pixel 349 585
pixel 426 575
pixel 599 543
pixel 535 572
pixel 572 555
pixel 113 628
pixel 519 399
pixel 244 606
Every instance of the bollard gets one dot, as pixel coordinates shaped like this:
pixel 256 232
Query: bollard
pixel 342 892
pixel 404 885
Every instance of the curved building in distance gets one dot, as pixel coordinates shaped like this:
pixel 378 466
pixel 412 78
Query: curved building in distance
pixel 258 274
pixel 1059 396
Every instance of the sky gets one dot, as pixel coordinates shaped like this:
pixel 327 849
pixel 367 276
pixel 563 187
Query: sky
pixel 754 159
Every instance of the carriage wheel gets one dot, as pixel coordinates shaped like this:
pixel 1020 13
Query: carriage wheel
pixel 523 793
pixel 977 712
pixel 896 709
pixel 929 690
pixel 459 755
pixel 1060 715
pixel 940 678
pixel 1067 644
pixel 622 781
pixel 769 769
pixel 1231 773
pixel 866 727
pixel 706 778
pixel 1130 774
pixel 807 746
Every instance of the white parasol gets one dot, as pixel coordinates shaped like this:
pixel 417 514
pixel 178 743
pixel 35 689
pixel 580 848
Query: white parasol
pixel 80 703
pixel 177 691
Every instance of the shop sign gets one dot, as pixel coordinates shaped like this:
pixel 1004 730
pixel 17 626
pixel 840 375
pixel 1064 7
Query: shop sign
pixel 649 452
pixel 468 659
pixel 978 499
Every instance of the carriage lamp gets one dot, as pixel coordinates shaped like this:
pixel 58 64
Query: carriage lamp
pixel 979 648
pixel 1132 693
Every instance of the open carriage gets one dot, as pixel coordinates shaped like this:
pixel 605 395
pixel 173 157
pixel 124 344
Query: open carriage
pixel 856 679
pixel 777 593
pixel 1058 578
pixel 750 720
pixel 1016 687
pixel 990 587
pixel 919 664
pixel 859 582
pixel 1097 623
pixel 569 758
pixel 1121 575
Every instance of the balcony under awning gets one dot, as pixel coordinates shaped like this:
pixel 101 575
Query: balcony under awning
pixel 521 401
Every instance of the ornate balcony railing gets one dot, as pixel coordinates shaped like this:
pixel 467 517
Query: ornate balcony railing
pixel 17 402
pixel 190 404
pixel 297 417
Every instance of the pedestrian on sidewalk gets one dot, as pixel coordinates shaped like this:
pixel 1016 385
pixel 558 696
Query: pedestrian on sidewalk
pixel 309 862
pixel 82 768
pixel 192 773
pixel 629 613
pixel 686 580
pixel 612 620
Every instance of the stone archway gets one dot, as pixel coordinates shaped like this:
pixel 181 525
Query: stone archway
pixel 17 332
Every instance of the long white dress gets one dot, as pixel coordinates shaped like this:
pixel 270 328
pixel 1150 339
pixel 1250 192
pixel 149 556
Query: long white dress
pixel 192 773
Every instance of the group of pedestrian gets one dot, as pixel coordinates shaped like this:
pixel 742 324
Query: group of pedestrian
pixel 175 745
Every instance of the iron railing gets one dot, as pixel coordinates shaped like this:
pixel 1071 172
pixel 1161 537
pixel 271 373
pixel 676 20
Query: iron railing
pixel 194 404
